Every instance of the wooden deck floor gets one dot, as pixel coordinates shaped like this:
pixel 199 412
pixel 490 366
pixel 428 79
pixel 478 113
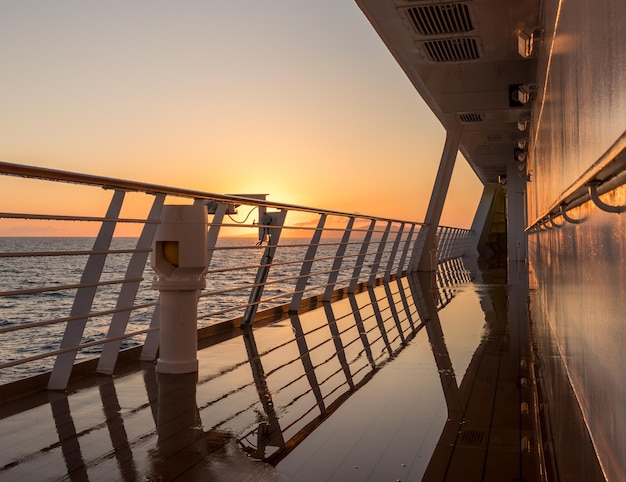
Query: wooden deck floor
pixel 402 382
pixel 493 435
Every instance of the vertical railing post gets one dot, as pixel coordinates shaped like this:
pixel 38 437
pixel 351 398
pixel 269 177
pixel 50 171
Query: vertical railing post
pixel 307 264
pixel 416 251
pixel 461 240
pixel 85 295
pixel 451 246
pixel 405 251
pixel 128 293
pixel 451 241
pixel 379 255
pixel 459 243
pixel 394 252
pixel 273 223
pixel 341 251
pixel 358 266
pixel 442 242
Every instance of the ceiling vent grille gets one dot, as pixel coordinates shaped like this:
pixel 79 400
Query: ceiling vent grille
pixel 470 118
pixel 441 19
pixel 452 49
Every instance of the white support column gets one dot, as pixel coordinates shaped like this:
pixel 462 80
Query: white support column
pixel 426 236
pixel 515 214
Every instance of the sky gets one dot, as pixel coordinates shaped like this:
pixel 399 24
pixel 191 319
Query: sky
pixel 297 99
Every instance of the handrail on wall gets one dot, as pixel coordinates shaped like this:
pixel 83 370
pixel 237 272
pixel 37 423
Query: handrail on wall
pixel 605 175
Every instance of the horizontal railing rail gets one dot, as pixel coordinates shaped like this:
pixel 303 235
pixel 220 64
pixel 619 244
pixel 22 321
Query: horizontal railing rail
pixel 89 296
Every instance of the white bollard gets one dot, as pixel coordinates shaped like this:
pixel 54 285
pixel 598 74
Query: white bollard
pixel 179 258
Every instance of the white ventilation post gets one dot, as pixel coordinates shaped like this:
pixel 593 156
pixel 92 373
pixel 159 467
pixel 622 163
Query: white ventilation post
pixel 180 260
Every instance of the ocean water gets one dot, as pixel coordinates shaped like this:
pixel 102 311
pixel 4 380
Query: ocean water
pixel 229 283
pixel 24 273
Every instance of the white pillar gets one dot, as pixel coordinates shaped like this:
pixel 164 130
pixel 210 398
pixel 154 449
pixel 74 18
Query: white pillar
pixel 426 237
pixel 180 259
pixel 515 214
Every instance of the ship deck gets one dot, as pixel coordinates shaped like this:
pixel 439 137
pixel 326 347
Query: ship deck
pixel 411 380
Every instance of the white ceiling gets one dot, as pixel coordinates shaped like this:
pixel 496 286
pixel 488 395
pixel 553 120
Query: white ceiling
pixel 462 57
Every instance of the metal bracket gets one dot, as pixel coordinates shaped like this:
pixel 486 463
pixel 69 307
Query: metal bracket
pixel 592 189
pixel 551 221
pixel 568 218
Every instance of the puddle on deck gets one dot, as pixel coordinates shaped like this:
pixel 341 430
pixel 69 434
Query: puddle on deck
pixel 363 389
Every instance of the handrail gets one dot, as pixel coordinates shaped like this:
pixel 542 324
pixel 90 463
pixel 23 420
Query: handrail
pixel 21 170
pixel 604 175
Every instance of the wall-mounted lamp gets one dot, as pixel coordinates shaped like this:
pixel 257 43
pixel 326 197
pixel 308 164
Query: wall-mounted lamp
pixel 520 154
pixel 525 43
pixel 523 174
pixel 523 143
pixel 523 122
pixel 526 40
pixel 521 94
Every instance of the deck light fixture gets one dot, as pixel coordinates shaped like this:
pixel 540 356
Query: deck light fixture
pixel 523 93
pixel 523 122
pixel 525 43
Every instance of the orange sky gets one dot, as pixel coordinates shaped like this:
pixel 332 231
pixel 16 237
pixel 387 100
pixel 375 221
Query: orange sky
pixel 297 99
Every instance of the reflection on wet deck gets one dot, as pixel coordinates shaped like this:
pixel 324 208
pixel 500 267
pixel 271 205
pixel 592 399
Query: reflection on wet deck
pixel 366 388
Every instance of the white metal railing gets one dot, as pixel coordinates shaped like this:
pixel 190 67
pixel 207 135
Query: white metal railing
pixel 68 299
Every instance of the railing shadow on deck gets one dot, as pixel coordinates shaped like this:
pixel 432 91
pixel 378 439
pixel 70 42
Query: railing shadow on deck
pixel 267 399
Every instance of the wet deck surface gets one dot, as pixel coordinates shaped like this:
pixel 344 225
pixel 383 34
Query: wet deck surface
pixel 405 381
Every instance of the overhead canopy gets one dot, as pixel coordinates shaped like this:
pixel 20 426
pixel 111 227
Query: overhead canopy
pixel 464 59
